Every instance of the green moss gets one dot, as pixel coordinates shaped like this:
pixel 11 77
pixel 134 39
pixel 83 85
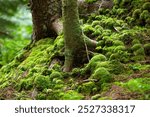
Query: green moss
pixel 136 13
pixel 144 15
pixel 136 47
pixel 119 48
pixel 87 88
pixel 95 23
pixel 140 51
pixel 138 58
pixel 94 61
pixel 138 85
pixel 130 20
pixel 95 97
pixel 98 58
pixel 41 96
pixel 88 29
pixel 117 2
pixel 22 96
pixel 117 43
pixel 105 98
pixel 59 42
pixel 90 1
pixel 116 67
pixel 108 42
pixel 105 64
pixel 25 84
pixel 146 6
pixel 125 2
pixel 3 84
pixel 76 72
pixel 102 75
pixel 56 74
pixel 148 22
pixel 72 95
pixel 147 49
pixel 135 41
pixel 41 82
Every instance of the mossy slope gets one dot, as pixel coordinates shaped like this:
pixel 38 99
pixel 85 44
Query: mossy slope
pixel 118 67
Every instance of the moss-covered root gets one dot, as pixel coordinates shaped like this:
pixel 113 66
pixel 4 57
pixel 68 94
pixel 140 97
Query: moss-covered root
pixel 90 43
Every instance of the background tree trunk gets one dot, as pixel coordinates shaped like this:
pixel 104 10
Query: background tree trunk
pixel 44 12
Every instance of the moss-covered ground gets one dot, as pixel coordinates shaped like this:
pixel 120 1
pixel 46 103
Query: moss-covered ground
pixel 119 67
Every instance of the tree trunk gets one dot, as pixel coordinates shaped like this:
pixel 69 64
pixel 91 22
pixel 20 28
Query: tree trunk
pixel 75 40
pixel 44 12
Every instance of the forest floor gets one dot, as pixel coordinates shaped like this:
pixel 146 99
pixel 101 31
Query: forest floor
pixel 119 67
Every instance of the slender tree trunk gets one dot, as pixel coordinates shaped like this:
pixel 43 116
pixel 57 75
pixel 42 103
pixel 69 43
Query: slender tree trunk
pixel 74 38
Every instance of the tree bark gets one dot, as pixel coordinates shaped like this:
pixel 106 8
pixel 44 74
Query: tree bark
pixel 75 40
pixel 44 12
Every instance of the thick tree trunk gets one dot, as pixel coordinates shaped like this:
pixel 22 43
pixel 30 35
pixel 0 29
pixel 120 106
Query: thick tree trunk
pixel 44 12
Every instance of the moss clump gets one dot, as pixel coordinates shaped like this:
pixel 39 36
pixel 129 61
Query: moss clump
pixel 116 67
pixel 56 74
pixel 135 41
pixel 138 85
pixel 136 47
pixel 144 15
pixel 125 3
pixel 105 64
pixel 59 42
pixel 76 72
pixel 41 82
pixel 146 6
pixel 72 95
pixel 25 84
pixel 136 14
pixel 94 61
pixel 147 49
pixel 140 51
pixel 117 43
pixel 87 88
pixel 147 22
pixel 98 58
pixel 88 29
pixel 102 75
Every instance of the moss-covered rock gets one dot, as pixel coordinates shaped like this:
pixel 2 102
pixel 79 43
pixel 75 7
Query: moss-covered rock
pixel 94 61
pixel 102 75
